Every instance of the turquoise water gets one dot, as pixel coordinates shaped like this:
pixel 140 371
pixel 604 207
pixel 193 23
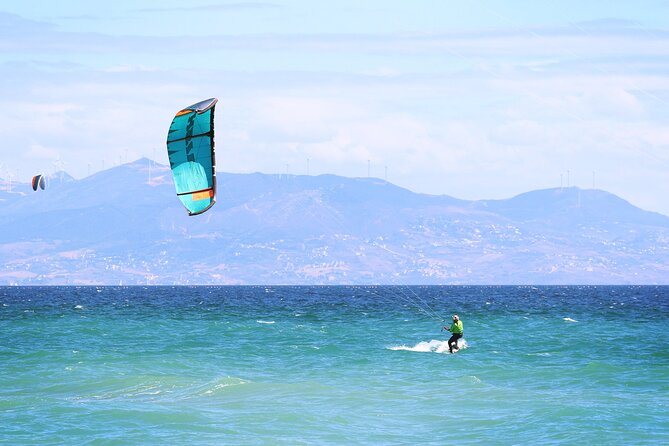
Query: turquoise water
pixel 333 365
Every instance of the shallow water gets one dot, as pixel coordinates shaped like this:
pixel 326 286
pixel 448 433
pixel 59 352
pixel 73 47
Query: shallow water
pixel 333 365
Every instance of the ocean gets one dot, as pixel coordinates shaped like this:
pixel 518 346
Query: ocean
pixel 333 365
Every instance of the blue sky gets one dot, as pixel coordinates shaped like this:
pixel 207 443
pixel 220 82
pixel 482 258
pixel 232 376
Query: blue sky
pixel 476 99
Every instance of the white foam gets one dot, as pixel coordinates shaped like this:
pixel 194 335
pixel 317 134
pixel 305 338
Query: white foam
pixel 568 319
pixel 473 379
pixel 434 345
pixel 265 322
pixel 78 307
pixel 221 384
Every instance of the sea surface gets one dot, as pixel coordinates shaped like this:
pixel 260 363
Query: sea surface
pixel 333 365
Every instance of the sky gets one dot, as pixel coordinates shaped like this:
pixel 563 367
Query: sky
pixel 476 99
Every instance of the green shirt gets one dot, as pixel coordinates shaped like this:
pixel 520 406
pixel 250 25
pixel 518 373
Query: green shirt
pixel 457 328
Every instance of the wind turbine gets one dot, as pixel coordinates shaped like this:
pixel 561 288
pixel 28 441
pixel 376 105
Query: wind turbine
pixel 59 166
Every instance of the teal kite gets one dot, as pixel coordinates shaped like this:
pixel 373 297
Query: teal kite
pixel 190 148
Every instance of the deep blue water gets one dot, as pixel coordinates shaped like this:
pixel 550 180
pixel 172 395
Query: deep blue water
pixel 333 365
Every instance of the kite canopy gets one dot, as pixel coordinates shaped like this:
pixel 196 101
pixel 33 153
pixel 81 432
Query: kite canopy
pixel 38 180
pixel 190 147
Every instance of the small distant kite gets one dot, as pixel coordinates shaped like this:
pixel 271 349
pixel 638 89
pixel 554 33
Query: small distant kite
pixel 38 181
pixel 190 148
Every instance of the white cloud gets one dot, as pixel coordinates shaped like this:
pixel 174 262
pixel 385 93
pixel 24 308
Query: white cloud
pixel 129 68
pixel 42 153
pixel 521 132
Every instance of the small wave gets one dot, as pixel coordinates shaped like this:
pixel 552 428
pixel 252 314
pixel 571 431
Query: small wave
pixel 568 319
pixel 434 345
pixel 265 322
pixel 221 385
pixel 78 307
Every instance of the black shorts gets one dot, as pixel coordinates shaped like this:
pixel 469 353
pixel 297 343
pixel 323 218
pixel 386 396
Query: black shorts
pixel 454 339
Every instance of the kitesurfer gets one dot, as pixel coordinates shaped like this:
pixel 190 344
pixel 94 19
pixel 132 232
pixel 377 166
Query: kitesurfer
pixel 457 331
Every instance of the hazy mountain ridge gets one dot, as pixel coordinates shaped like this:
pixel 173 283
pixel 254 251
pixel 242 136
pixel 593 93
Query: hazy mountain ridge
pixel 125 225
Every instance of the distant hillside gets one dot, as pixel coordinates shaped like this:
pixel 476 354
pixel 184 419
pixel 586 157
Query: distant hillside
pixel 125 225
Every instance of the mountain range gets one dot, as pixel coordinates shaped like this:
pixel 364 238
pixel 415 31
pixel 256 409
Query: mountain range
pixel 126 226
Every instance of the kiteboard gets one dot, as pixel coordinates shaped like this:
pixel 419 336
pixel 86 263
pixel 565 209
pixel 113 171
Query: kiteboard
pixel 433 346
